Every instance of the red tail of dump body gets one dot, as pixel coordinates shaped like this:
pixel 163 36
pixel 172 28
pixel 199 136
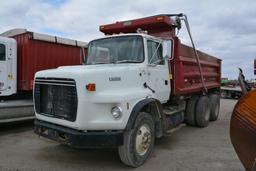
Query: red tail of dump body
pixel 184 69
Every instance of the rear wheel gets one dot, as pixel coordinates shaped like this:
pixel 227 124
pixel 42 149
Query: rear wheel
pixel 190 111
pixel 215 106
pixel 203 111
pixel 138 142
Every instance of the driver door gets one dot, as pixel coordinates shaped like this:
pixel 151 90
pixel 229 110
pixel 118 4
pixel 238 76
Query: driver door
pixel 158 71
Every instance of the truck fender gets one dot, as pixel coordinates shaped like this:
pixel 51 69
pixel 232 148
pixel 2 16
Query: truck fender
pixel 156 112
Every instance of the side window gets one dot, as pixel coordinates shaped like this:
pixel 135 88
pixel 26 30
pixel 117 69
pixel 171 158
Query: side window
pixel 2 52
pixel 155 53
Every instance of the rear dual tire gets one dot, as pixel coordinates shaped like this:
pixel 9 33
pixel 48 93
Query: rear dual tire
pixel 215 106
pixel 202 109
pixel 190 111
pixel 202 112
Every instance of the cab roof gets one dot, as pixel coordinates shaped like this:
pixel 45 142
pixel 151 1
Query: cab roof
pixel 130 34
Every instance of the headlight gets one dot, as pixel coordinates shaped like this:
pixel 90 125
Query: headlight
pixel 116 112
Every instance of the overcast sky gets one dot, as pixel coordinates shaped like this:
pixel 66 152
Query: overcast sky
pixel 224 28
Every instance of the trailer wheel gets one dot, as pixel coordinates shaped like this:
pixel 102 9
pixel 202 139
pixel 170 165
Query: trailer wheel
pixel 203 112
pixel 215 107
pixel 190 111
pixel 138 142
pixel 233 95
pixel 223 94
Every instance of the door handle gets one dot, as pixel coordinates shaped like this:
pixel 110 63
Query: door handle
pixel 166 82
pixel 146 86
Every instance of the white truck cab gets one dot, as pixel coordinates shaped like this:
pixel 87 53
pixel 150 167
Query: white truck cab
pixel 123 70
pixel 97 100
pixel 8 66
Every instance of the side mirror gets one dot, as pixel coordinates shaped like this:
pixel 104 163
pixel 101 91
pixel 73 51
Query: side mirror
pixel 167 49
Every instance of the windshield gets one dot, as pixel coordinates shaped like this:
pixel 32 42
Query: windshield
pixel 2 52
pixel 125 49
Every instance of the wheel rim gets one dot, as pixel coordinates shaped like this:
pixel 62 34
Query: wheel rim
pixel 143 139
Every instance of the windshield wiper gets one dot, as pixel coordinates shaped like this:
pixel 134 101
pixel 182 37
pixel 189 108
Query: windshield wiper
pixel 126 61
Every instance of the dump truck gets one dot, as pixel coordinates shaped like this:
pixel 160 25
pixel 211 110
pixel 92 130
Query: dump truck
pixel 138 83
pixel 22 54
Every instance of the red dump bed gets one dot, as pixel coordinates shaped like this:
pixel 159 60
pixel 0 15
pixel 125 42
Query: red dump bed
pixel 37 52
pixel 184 69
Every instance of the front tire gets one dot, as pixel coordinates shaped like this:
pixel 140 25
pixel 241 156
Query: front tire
pixel 138 142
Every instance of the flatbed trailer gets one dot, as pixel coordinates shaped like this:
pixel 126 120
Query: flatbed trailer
pixel 231 92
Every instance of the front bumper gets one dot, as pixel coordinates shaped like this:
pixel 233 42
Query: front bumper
pixel 78 139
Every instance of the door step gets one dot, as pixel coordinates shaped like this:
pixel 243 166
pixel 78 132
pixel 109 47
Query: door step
pixel 170 131
pixel 170 110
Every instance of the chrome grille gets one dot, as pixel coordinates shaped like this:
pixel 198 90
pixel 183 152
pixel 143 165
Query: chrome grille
pixel 56 97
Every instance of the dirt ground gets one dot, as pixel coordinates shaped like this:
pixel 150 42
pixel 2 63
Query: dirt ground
pixel 188 148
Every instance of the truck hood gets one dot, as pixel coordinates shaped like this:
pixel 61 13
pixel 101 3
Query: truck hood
pixel 79 69
pixel 116 84
pixel 107 77
pixel 94 68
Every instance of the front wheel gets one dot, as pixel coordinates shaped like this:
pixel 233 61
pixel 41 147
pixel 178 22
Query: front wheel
pixel 138 142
